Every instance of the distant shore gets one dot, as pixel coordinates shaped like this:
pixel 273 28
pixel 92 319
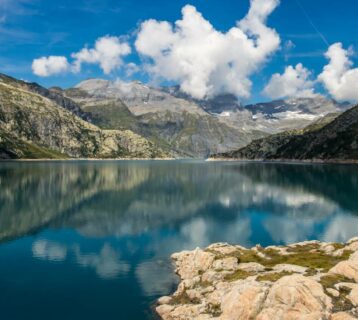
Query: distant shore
pixel 291 161
pixel 87 159
pixel 328 161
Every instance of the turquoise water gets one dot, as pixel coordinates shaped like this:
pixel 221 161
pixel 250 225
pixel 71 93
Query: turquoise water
pixel 92 240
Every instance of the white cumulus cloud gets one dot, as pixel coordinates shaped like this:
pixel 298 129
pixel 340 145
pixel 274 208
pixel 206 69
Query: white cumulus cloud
pixel 203 60
pixel 338 76
pixel 294 82
pixel 108 53
pixel 47 66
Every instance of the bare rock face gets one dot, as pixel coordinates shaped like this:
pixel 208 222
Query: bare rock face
pixel 349 268
pixel 251 267
pixel 304 281
pixel 228 264
pixel 244 300
pixel 342 316
pixel 191 263
pixel 296 297
pixel 289 268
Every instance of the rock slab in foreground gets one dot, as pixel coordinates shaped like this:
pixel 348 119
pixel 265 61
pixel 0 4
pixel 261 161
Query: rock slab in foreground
pixel 304 281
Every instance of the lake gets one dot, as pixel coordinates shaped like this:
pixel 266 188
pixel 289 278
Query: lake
pixel 92 239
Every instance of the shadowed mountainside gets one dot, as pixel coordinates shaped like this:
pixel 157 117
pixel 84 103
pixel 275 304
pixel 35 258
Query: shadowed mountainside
pixel 333 138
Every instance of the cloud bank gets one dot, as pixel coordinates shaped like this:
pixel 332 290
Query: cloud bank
pixel 108 53
pixel 52 65
pixel 203 60
pixel 338 77
pixel 294 82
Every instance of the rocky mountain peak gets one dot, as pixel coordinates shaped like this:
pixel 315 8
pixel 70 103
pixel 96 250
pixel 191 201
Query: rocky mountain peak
pixel 140 98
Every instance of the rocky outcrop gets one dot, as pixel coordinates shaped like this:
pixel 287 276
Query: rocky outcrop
pixel 308 280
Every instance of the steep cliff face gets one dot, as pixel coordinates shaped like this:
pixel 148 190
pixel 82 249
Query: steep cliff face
pixel 37 120
pixel 331 138
pixel 11 147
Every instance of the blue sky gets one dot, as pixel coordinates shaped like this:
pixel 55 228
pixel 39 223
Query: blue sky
pixel 30 29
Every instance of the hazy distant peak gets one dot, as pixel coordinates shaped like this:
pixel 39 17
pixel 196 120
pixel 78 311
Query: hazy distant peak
pixel 92 84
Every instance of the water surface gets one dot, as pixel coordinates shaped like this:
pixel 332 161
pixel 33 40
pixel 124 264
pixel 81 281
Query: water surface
pixel 92 240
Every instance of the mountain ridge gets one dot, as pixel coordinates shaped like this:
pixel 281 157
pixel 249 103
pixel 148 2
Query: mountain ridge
pixel 116 115
pixel 199 128
pixel 37 120
pixel 336 138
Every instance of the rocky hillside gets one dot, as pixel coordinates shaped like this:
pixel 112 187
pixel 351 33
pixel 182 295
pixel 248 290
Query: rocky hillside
pixel 189 126
pixel 175 123
pixel 12 147
pixel 307 280
pixel 129 113
pixel 331 138
pixel 54 94
pixel 269 117
pixel 29 120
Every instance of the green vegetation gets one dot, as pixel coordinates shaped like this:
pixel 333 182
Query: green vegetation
pixel 274 276
pixel 304 257
pixel 111 115
pixel 13 148
pixel 308 256
pixel 239 275
pixel 329 281
pixel 340 303
pixel 183 298
pixel 214 310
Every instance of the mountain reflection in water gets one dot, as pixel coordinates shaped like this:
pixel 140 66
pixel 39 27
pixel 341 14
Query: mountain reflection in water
pixel 98 235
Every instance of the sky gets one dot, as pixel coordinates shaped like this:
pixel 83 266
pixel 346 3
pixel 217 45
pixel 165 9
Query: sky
pixel 258 50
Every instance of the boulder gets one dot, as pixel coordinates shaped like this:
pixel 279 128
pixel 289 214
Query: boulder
pixel 289 268
pixel 342 316
pixel 244 300
pixel 226 264
pixel 295 297
pixel 251 267
pixel 224 248
pixel 348 268
pixel 192 263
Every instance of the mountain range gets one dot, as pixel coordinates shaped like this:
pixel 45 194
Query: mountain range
pixel 115 119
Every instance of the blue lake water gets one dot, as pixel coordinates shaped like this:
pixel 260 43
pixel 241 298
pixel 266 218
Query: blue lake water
pixel 92 240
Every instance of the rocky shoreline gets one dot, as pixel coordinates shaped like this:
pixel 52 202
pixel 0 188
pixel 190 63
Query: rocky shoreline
pixel 307 281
